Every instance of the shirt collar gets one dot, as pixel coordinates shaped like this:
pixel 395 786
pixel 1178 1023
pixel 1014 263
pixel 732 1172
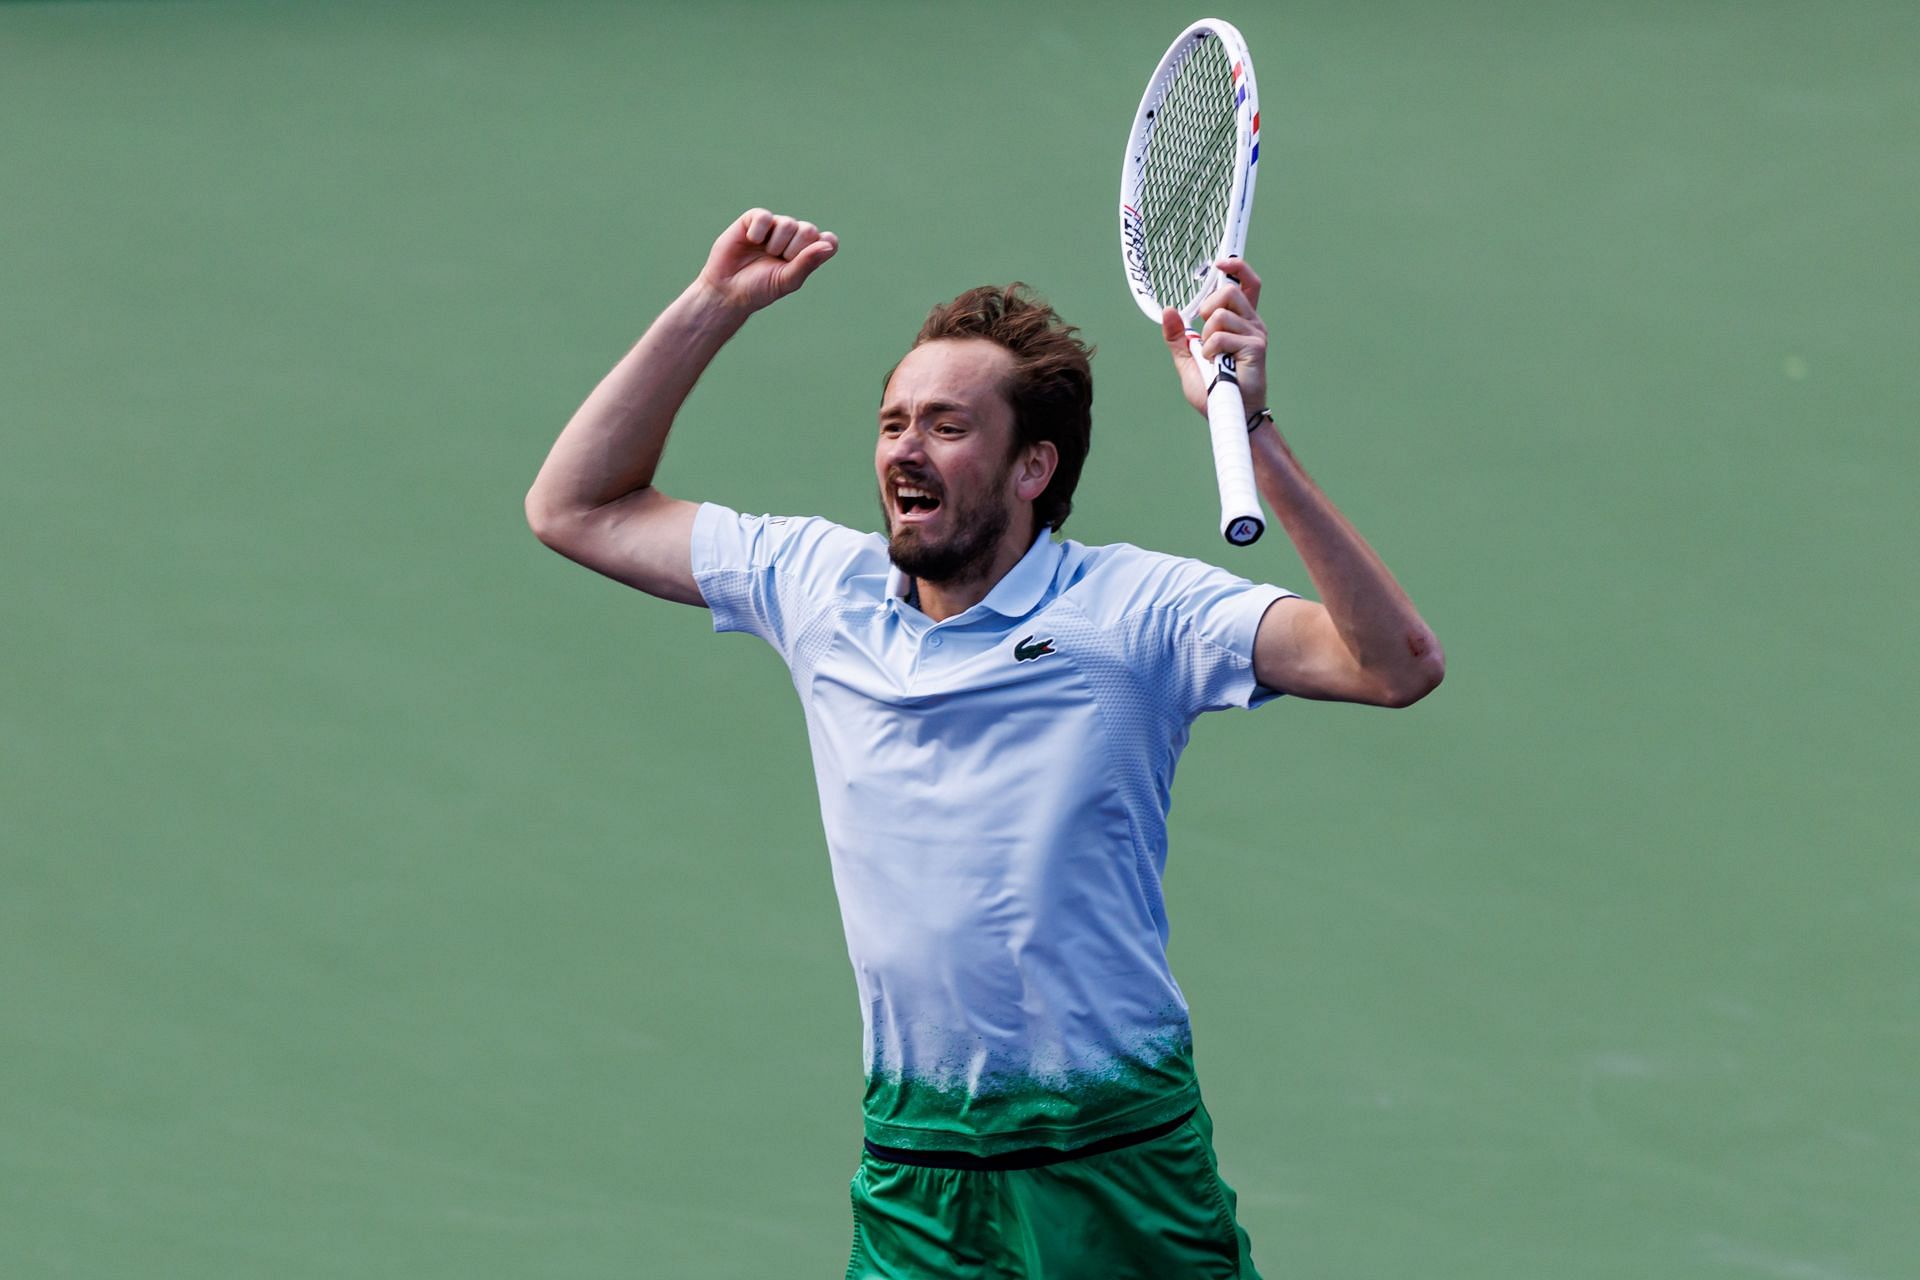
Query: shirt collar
pixel 1017 593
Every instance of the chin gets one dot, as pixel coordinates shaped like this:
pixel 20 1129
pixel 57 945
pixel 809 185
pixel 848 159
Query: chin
pixel 955 560
pixel 965 552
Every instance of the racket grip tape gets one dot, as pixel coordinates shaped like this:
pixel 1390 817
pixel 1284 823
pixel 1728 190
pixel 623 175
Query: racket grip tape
pixel 1241 520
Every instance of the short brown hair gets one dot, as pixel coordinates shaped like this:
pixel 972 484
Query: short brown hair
pixel 1051 387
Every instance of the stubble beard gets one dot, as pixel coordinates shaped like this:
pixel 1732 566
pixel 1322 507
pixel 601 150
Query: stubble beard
pixel 964 556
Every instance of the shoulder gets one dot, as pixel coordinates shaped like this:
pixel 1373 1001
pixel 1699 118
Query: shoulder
pixel 809 549
pixel 1118 580
pixel 1183 625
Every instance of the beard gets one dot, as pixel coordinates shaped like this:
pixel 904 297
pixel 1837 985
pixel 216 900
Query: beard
pixel 963 555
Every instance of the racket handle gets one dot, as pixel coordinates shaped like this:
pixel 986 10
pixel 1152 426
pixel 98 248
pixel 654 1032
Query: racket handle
pixel 1241 520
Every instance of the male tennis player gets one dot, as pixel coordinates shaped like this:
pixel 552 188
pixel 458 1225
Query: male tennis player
pixel 995 718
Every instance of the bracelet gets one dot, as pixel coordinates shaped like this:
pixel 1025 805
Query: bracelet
pixel 1257 417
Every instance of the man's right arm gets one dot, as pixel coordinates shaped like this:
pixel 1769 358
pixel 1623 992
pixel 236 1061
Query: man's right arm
pixel 594 499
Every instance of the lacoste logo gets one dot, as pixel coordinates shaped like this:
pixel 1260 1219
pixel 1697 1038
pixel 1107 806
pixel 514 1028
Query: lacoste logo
pixel 1027 650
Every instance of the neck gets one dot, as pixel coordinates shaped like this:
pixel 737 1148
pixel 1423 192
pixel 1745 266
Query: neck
pixel 943 600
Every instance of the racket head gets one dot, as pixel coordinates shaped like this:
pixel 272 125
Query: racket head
pixel 1186 183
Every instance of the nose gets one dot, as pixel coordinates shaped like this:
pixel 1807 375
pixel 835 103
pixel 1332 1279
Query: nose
pixel 908 446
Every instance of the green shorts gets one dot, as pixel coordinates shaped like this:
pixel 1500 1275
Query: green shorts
pixel 1154 1210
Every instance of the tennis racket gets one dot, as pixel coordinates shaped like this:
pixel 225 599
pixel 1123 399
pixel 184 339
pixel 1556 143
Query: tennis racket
pixel 1186 189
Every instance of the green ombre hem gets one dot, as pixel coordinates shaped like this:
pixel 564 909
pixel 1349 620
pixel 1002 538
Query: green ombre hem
pixel 1009 1115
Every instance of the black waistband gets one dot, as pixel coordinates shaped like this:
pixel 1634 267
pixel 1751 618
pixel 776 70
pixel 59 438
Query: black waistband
pixel 1026 1157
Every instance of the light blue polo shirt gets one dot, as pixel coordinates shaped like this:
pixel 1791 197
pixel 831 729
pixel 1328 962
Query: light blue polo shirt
pixel 994 789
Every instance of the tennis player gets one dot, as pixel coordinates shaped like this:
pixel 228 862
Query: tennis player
pixel 995 715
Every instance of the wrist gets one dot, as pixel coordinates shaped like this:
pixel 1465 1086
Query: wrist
pixel 710 305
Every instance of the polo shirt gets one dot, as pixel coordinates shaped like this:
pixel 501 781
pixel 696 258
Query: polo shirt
pixel 994 789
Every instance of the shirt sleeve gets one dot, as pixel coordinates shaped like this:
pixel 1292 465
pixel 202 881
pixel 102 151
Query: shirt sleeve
pixel 1195 625
pixel 1218 616
pixel 770 575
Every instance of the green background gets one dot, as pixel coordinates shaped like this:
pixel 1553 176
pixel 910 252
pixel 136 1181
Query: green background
pixel 381 895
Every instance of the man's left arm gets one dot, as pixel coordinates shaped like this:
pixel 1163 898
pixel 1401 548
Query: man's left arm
pixel 1363 641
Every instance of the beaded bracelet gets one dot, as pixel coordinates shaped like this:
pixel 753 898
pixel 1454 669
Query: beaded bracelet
pixel 1257 417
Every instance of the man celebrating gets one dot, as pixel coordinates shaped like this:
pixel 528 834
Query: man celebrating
pixel 995 718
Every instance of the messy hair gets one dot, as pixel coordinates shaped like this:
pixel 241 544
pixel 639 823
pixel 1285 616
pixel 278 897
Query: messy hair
pixel 1051 387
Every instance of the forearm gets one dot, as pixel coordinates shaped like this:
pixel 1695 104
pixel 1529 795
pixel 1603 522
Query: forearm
pixel 1375 620
pixel 612 445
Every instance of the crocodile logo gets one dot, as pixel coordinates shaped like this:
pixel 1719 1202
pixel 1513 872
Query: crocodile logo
pixel 1028 650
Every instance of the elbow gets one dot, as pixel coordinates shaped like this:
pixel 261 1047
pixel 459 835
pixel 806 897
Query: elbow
pixel 1420 675
pixel 548 523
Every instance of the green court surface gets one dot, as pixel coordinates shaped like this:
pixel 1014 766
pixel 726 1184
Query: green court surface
pixel 382 896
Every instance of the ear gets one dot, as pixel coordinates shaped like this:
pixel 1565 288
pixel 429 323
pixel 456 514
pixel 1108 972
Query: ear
pixel 1034 472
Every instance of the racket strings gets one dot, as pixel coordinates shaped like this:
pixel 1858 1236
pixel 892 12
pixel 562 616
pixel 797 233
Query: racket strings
pixel 1186 176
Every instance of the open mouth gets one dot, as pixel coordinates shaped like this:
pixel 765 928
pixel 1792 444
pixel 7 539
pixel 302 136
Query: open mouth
pixel 910 501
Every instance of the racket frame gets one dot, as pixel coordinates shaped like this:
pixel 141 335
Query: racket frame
pixel 1241 518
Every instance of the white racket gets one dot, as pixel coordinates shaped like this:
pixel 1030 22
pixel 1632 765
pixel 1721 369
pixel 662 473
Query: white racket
pixel 1186 189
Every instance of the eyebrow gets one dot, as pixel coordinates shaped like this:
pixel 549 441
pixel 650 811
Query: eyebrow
pixel 931 406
